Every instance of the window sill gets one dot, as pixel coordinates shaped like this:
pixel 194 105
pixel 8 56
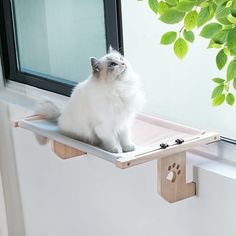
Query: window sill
pixel 26 96
pixel 218 158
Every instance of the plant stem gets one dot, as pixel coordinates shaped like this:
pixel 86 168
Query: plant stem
pixel 227 86
pixel 181 30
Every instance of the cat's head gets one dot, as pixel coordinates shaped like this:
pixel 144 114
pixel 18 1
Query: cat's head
pixel 113 66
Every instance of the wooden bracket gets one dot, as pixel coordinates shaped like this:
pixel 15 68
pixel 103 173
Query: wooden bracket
pixel 61 150
pixel 172 184
pixel 64 151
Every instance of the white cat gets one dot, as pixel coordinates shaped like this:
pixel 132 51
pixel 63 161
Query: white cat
pixel 101 108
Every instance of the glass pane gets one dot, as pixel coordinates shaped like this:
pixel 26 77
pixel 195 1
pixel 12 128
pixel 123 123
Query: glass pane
pixel 56 38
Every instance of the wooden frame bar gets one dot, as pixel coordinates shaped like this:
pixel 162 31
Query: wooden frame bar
pixel 126 162
pixel 15 123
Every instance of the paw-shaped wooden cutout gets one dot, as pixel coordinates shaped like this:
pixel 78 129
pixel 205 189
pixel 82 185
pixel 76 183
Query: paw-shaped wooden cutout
pixel 173 172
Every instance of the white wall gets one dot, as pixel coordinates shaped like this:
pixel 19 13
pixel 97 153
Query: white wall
pixel 3 218
pixel 89 196
pixel 176 90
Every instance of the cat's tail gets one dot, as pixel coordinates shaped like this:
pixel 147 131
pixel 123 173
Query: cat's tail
pixel 50 111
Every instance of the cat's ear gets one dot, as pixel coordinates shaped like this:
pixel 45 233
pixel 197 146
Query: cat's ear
pixel 110 50
pixel 95 64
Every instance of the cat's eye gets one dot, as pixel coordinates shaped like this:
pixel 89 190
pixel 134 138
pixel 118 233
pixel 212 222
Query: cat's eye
pixel 113 64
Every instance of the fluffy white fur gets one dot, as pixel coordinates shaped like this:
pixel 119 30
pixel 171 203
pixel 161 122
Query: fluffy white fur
pixel 101 108
pixel 51 111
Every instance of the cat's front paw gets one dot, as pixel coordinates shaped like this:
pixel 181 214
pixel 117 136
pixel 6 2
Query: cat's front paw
pixel 113 150
pixel 128 148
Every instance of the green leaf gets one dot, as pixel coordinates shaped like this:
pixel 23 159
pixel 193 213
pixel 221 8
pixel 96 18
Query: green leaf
pixel 218 100
pixel 168 37
pixel 210 29
pixel 188 35
pixel 190 20
pixel 180 48
pixel 203 16
pixel 193 1
pixel 234 83
pixel 232 19
pixel 231 42
pixel 222 11
pixel 198 2
pixel 230 99
pixel 231 70
pixel 233 51
pixel 224 21
pixel 162 7
pixel 226 51
pixel 212 44
pixel 221 36
pixel 228 27
pixel 172 16
pixel 233 8
pixel 172 2
pixel 234 4
pixel 221 59
pixel 218 80
pixel 217 91
pixel 204 4
pixel 184 6
pixel 153 4
pixel 220 2
pixel 233 12
pixel 229 3
pixel 212 9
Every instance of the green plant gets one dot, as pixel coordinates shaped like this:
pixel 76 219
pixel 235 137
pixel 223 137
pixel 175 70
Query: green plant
pixel 217 19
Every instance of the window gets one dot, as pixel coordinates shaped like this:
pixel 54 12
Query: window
pixel 49 43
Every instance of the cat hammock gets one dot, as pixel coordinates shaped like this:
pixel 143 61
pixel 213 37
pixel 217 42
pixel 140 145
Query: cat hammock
pixel 155 139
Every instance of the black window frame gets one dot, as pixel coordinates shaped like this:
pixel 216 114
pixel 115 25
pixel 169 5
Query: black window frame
pixel 114 37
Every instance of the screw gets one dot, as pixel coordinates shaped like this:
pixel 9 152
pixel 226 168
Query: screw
pixel 179 140
pixel 164 145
